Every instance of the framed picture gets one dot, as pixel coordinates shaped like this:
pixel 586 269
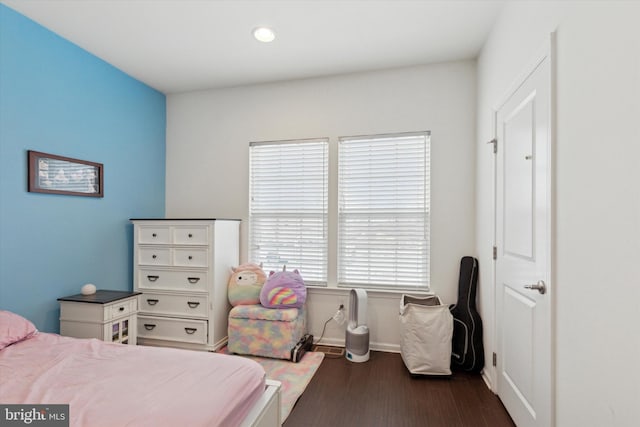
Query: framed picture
pixel 53 174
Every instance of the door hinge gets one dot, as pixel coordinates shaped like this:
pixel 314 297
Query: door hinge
pixel 494 141
pixel 495 252
pixel 495 359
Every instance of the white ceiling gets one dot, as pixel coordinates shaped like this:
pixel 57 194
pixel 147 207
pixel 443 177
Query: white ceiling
pixel 184 45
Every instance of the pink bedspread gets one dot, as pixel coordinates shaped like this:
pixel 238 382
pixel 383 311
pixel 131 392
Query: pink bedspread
pixel 118 385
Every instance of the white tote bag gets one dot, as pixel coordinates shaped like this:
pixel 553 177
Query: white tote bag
pixel 426 329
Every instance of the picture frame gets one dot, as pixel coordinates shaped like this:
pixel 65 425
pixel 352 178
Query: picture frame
pixel 53 174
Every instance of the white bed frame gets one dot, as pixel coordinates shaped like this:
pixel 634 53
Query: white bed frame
pixel 266 411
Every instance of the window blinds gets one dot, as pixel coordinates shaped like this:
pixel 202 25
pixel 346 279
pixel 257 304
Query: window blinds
pixel 288 206
pixel 383 211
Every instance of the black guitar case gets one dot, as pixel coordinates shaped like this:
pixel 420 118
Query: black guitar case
pixel 467 351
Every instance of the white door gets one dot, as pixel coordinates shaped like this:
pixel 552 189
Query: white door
pixel 523 288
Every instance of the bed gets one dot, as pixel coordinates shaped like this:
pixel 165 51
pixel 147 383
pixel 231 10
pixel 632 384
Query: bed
pixel 111 385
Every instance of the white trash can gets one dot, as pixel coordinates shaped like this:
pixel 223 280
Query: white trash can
pixel 426 330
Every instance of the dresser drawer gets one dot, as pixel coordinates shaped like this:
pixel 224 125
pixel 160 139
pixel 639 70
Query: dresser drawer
pixel 173 280
pixel 192 235
pixel 190 257
pixel 174 305
pixel 149 235
pixel 154 256
pixel 121 309
pixel 171 329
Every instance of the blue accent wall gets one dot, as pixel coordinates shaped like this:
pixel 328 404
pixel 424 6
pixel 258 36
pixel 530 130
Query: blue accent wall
pixel 57 98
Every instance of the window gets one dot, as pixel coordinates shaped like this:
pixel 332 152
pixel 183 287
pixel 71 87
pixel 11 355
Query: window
pixel 288 206
pixel 379 221
pixel 383 211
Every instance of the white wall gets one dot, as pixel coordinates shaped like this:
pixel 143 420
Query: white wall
pixel 208 135
pixel 597 207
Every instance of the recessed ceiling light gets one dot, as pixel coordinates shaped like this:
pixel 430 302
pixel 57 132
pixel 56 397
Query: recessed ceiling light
pixel 264 34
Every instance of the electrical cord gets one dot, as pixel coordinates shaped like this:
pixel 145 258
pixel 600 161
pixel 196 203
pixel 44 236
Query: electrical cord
pixel 323 329
pixel 331 356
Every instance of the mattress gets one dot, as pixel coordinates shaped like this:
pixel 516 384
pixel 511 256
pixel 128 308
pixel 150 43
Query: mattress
pixel 111 385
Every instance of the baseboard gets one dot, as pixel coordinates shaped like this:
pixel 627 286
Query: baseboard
pixel 389 348
pixel 487 380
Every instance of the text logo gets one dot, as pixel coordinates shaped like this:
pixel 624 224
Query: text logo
pixel 34 415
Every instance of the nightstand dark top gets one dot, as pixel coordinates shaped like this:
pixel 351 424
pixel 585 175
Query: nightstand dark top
pixel 100 297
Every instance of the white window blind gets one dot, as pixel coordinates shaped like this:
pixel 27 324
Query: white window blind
pixel 288 207
pixel 383 211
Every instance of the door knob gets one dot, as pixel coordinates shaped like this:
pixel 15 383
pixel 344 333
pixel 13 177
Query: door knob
pixel 540 286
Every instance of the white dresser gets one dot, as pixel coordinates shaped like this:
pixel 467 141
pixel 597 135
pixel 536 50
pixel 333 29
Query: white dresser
pixel 181 267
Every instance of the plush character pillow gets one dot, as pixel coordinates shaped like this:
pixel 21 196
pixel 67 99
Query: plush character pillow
pixel 284 289
pixel 14 328
pixel 245 283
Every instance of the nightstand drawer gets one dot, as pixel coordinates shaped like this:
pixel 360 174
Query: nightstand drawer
pixel 154 256
pixel 150 235
pixel 121 309
pixel 173 280
pixel 174 305
pixel 172 329
pixel 190 257
pixel 192 235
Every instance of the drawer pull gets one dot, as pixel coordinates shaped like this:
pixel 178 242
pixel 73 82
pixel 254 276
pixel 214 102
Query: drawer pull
pixel 153 278
pixel 190 235
pixel 190 331
pixel 193 304
pixel 193 279
pixel 121 308
pixel 154 256
pixel 152 301
pixel 149 326
pixel 154 235
pixel 190 257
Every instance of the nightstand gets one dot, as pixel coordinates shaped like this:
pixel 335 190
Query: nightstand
pixel 106 315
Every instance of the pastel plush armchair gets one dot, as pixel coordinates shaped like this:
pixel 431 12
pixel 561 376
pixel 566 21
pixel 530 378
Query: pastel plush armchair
pixel 272 325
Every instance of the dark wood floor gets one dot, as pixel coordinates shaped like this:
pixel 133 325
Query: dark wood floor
pixel 381 392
